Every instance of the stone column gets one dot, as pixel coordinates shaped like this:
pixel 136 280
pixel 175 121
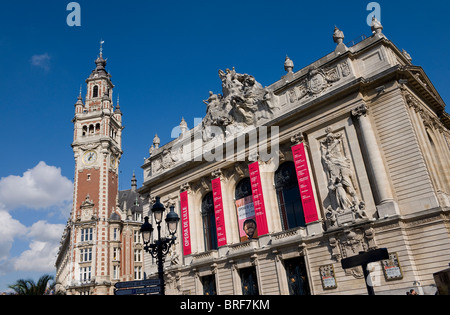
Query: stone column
pixel 381 184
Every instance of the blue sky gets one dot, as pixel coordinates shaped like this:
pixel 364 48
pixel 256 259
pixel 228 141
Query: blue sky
pixel 164 57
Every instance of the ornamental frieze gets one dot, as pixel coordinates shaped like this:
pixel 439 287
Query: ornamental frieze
pixel 317 81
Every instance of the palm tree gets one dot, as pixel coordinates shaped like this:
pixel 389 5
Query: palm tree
pixel 29 287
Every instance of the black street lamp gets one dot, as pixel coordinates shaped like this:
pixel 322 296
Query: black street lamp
pixel 160 247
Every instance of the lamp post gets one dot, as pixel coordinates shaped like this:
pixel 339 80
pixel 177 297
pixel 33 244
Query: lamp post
pixel 160 247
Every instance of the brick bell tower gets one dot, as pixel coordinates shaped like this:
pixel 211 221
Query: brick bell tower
pixel 97 150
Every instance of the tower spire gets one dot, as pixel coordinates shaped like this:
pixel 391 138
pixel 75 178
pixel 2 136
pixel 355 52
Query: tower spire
pixel 100 64
pixel 101 47
pixel 133 182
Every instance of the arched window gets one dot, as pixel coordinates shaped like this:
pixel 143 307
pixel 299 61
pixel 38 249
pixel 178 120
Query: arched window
pixel 95 92
pixel 243 189
pixel 289 199
pixel 97 128
pixel 209 222
pixel 85 130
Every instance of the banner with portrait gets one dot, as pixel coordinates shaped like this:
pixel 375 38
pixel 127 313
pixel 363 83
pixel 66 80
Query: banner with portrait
pixel 246 219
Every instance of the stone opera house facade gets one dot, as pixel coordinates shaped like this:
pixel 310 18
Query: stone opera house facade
pixel 276 185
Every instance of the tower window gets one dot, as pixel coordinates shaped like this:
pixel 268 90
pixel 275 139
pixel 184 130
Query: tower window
pixel 95 92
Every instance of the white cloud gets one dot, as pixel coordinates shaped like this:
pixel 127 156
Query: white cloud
pixel 39 188
pixel 44 247
pixel 45 232
pixel 9 229
pixel 41 61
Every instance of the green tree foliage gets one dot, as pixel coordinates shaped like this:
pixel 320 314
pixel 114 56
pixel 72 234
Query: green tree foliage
pixel 29 287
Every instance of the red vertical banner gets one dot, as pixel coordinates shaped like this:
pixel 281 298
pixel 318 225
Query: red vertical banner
pixel 218 212
pixel 184 203
pixel 258 199
pixel 305 184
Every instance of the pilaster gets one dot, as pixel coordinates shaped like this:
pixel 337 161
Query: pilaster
pixel 386 206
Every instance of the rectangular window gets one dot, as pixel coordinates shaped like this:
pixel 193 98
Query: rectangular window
pixel 115 254
pixel 138 255
pixel 115 272
pixel 209 285
pixel 137 216
pixel 86 255
pixel 249 281
pixel 137 236
pixel 138 273
pixel 86 235
pixel 85 274
pixel 297 276
pixel 115 234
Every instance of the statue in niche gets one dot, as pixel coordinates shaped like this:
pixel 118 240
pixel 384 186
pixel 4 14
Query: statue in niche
pixel 341 180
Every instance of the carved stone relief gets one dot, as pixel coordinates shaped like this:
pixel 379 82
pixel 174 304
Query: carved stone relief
pixel 345 69
pixel 87 209
pixel 316 82
pixel 165 161
pixel 343 204
pixel 204 184
pixel 243 102
pixel 298 138
pixel 350 243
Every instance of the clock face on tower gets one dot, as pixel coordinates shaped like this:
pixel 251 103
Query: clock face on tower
pixel 89 158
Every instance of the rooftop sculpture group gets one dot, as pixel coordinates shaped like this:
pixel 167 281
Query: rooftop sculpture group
pixel 243 103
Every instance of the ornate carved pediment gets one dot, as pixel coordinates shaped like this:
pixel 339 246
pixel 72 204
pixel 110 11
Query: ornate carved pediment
pixel 87 209
pixel 87 202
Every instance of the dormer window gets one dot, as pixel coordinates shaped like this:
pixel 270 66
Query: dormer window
pixel 95 92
